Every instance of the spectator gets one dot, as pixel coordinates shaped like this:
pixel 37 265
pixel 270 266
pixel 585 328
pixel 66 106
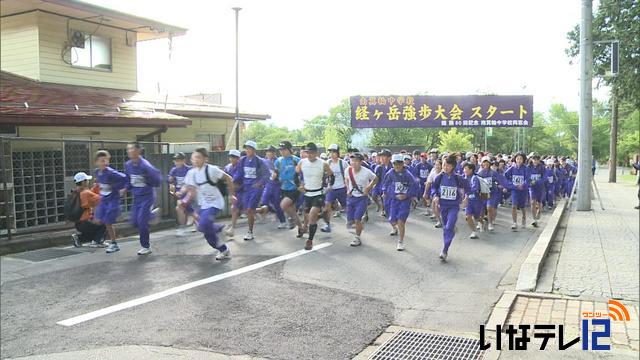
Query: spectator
pixel 89 199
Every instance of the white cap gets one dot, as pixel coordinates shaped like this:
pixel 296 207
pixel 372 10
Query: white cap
pixel 485 158
pixel 251 144
pixel 469 154
pixel 407 157
pixel 235 152
pixel 397 157
pixel 323 156
pixel 549 162
pixel 375 154
pixel 81 176
pixel 333 147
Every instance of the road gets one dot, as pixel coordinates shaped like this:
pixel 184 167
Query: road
pixel 326 304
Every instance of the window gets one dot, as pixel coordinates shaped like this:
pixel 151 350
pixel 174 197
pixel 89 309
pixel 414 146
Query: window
pixel 96 53
pixel 216 141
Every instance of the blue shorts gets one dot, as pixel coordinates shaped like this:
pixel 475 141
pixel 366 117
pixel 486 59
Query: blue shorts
pixel 237 204
pixel 536 194
pixel 251 198
pixel 519 198
pixel 399 210
pixel 356 207
pixel 376 192
pixel 495 199
pixel 337 194
pixel 108 212
pixel 474 207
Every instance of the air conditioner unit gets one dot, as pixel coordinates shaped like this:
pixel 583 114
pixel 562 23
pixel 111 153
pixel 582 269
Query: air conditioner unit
pixel 77 39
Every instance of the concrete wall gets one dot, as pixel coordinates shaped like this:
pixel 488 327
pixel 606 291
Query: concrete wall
pixel 19 45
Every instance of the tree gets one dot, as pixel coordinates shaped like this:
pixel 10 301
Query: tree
pixel 424 137
pixel 265 134
pixel 453 141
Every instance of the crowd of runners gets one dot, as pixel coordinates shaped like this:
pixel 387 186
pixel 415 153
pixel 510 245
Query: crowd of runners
pixel 307 189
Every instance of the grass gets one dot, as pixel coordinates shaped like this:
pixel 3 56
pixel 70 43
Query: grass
pixel 628 178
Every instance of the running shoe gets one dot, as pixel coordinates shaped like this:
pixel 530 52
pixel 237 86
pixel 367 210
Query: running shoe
pixel 326 228
pixel 76 240
pixel 438 225
pixel 229 231
pixel 113 247
pixel 491 227
pixel 443 256
pixel 144 251
pixel 356 241
pixel 283 225
pixel 534 223
pixel 182 231
pixel 514 226
pixel 394 232
pixel 524 224
pixel 223 255
pixel 473 235
pixel 308 245
pixel 248 236
pixel 400 246
pixel 95 244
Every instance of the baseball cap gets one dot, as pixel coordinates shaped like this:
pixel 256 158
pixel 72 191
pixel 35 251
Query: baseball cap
pixel 434 150
pixel 375 154
pixel 397 158
pixel 81 176
pixel 286 145
pixel 408 157
pixel 485 158
pixel 312 147
pixel 549 162
pixel 271 148
pixel 424 155
pixel 469 155
pixel 385 152
pixel 358 156
pixel 323 156
pixel 250 143
pixel 235 153
pixel 333 147
pixel 179 156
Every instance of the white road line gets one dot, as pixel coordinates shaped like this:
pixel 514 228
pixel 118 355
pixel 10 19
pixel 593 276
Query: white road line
pixel 145 299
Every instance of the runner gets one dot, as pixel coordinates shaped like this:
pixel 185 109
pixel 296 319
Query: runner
pixel 313 170
pixel 518 175
pixel 285 169
pixel 429 192
pixel 236 201
pixel 110 182
pixel 251 175
pixel 473 208
pixel 338 191
pixel 205 182
pixel 550 179
pixel 271 195
pixel 360 182
pixel 421 171
pixel 536 187
pixel 143 179
pixel 449 188
pixel 400 187
pixel 378 191
pixel 176 181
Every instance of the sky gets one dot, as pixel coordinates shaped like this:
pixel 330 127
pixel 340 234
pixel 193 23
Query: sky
pixel 300 58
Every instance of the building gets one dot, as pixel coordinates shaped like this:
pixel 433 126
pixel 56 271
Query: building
pixel 68 86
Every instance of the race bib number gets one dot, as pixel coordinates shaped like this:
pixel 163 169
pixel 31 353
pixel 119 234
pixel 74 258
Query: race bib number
pixel 401 188
pixel 137 181
pixel 273 173
pixel 424 173
pixel 485 184
pixel 179 181
pixel 250 172
pixel 105 189
pixel 550 179
pixel 535 177
pixel 448 192
pixel 517 179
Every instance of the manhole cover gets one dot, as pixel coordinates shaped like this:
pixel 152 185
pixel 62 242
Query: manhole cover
pixel 44 254
pixel 407 344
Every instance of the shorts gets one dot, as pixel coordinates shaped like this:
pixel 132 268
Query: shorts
pixel 495 199
pixel 251 198
pixel 474 207
pixel 294 195
pixel 399 210
pixel 313 201
pixel 107 212
pixel 356 207
pixel 535 194
pixel 376 192
pixel 337 194
pixel 189 208
pixel 519 198
pixel 237 204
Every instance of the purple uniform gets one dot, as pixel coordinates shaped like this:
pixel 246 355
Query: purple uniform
pixel 536 183
pixel 474 205
pixel 110 182
pixel 176 177
pixel 252 175
pixel 550 179
pixel 231 171
pixel 518 176
pixel 399 183
pixel 143 179
pixel 421 172
pixel 271 195
pixel 381 172
pixel 448 188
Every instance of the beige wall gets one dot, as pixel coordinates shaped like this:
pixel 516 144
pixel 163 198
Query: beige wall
pixel 52 37
pixel 19 45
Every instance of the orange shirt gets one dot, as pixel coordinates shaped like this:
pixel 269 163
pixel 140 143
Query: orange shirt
pixel 88 201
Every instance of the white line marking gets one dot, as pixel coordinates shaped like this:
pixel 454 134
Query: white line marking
pixel 145 299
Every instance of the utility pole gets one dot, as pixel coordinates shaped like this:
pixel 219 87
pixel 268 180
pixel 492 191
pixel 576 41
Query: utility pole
pixel 613 148
pixel 237 123
pixel 586 108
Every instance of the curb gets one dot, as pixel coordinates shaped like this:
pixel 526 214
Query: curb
pixel 532 265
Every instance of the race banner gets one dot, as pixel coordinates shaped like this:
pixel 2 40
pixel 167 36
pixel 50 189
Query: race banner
pixel 441 111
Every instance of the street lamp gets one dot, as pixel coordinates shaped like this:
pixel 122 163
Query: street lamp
pixel 237 123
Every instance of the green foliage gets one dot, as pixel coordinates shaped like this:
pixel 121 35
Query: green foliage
pixel 266 134
pixel 419 137
pixel 453 141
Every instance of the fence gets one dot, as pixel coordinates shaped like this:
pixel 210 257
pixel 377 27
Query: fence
pixel 36 174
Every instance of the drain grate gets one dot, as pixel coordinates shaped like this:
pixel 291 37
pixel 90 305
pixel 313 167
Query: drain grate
pixel 407 344
pixel 44 254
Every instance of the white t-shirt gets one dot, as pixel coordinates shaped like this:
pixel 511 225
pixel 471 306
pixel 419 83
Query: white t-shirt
pixel 312 175
pixel 363 178
pixel 335 167
pixel 432 175
pixel 208 195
